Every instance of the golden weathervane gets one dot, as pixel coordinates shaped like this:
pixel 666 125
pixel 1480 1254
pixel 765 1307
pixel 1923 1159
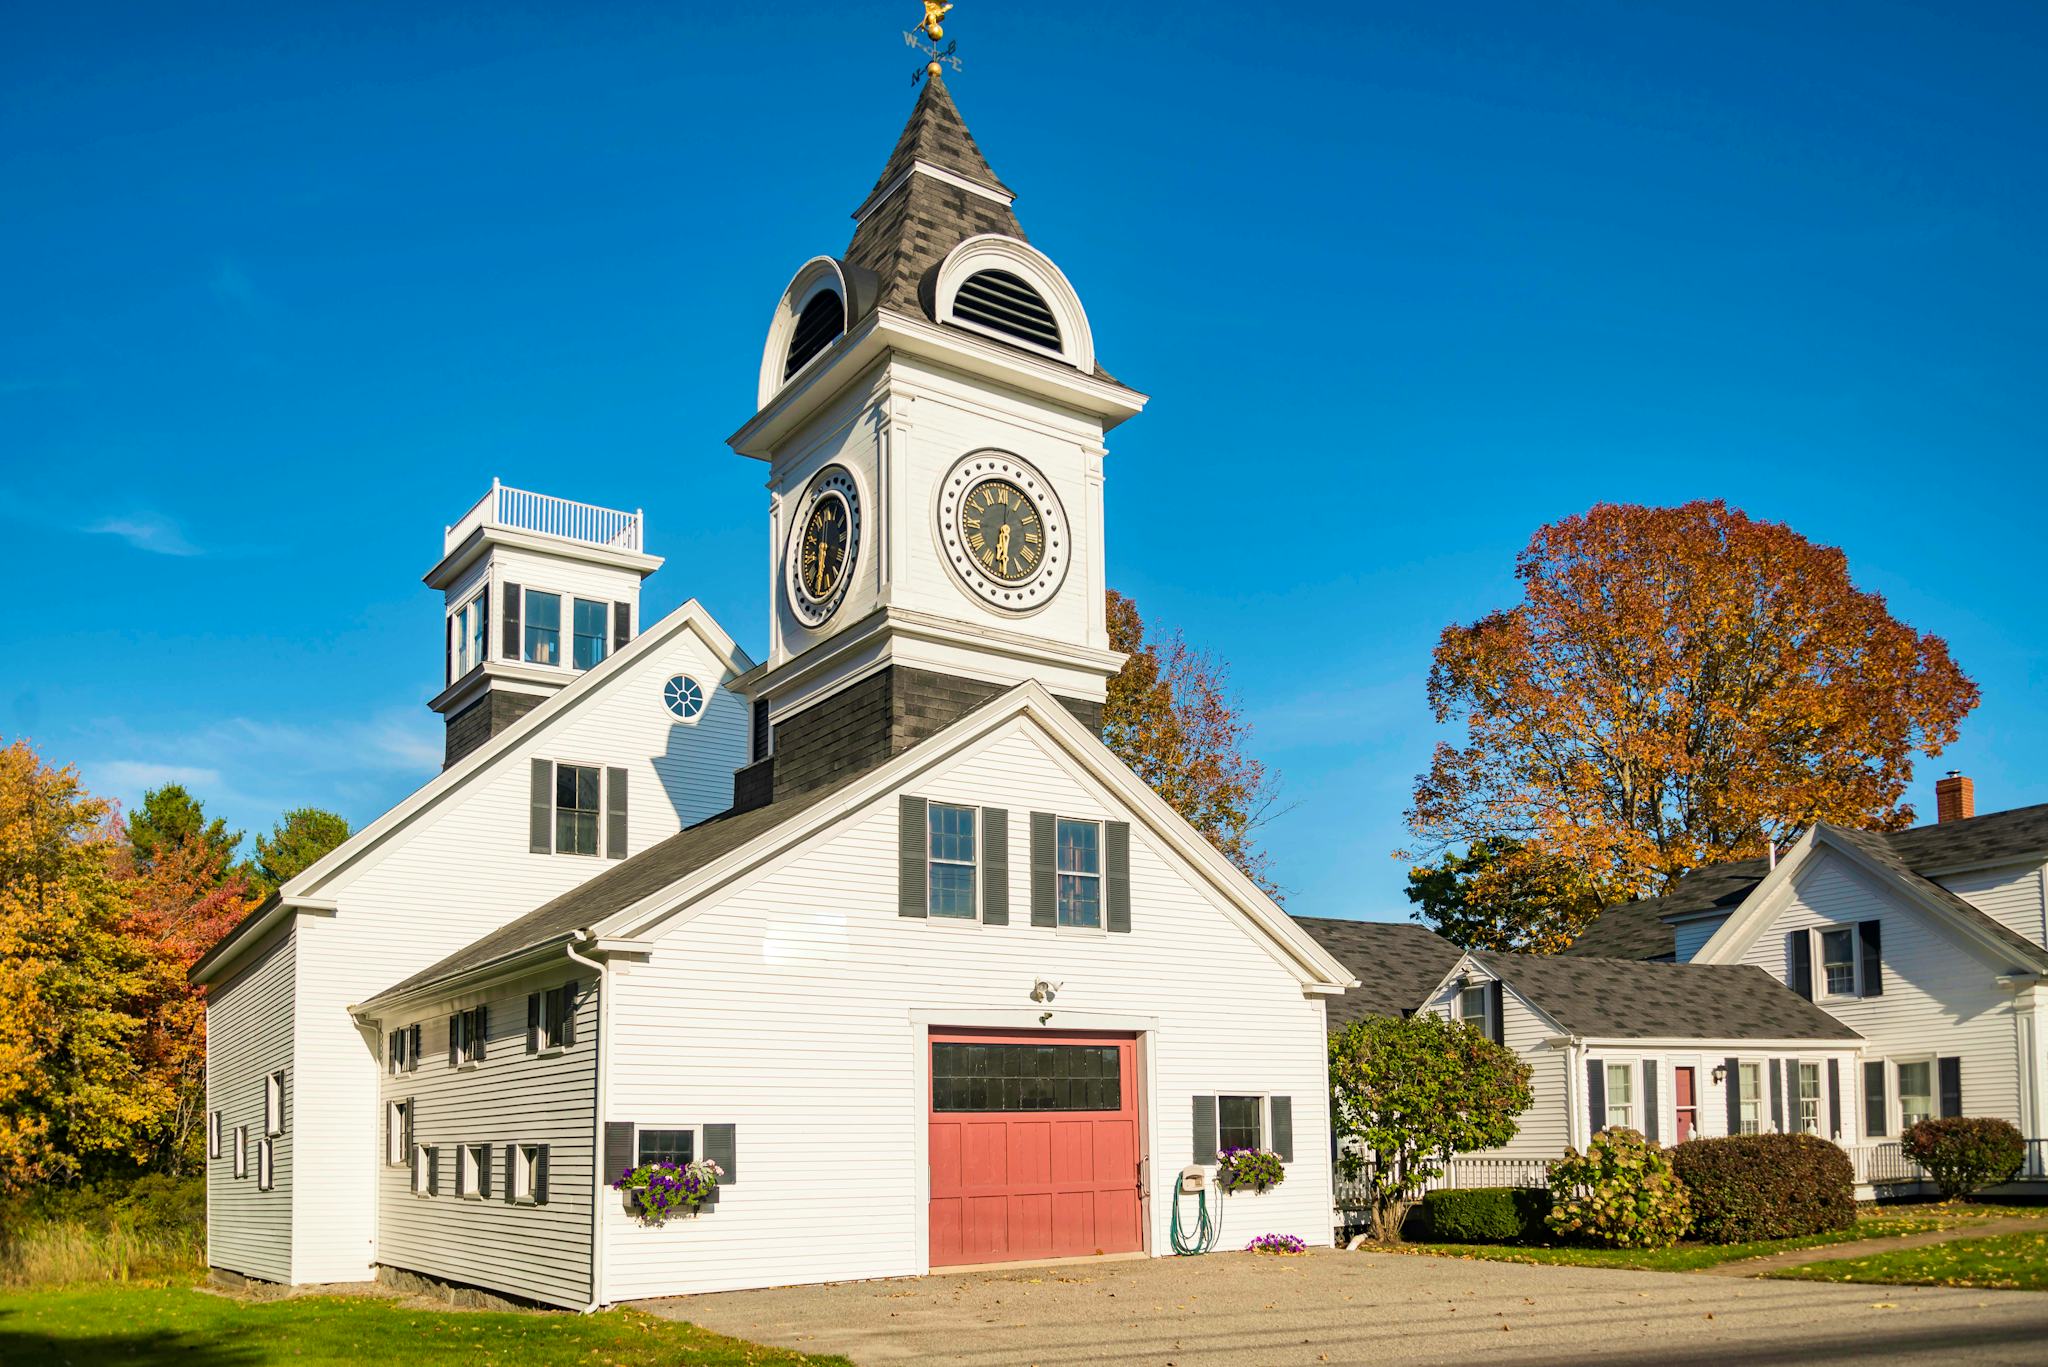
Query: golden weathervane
pixel 934 12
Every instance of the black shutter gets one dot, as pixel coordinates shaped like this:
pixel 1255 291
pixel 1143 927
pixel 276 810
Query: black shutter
pixel 911 847
pixel 1045 886
pixel 1873 958
pixel 540 1176
pixel 511 1167
pixel 1950 1072
pixel 995 866
pixel 1777 1085
pixel 1650 1117
pixel 1496 1012
pixel 484 625
pixel 1596 1096
pixel 1205 1129
pixel 569 996
pixel 1116 865
pixel 1283 1127
pixel 540 820
pixel 1834 1098
pixel 615 813
pixel 454 1040
pixel 483 1031
pixel 1799 962
pixel 618 1150
pixel 483 1170
pixel 405 1133
pixel 533 1022
pixel 412 1058
pixel 1734 1094
pixel 512 601
pixel 758 743
pixel 434 1171
pixel 1875 1109
pixel 721 1146
pixel 622 625
pixel 451 650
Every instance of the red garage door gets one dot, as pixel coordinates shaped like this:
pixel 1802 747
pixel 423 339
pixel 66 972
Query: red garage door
pixel 1034 1146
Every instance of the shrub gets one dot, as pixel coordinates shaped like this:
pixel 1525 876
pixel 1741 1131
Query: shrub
pixel 1765 1186
pixel 152 1227
pixel 1251 1170
pixel 1487 1215
pixel 1965 1154
pixel 1620 1192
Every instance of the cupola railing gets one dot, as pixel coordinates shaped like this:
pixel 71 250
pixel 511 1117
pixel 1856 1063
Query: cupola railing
pixel 525 511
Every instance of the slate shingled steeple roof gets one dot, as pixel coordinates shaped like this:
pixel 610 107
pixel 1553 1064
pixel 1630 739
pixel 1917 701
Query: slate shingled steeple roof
pixel 911 220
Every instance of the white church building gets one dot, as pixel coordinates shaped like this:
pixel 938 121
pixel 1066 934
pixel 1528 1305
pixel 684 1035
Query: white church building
pixel 878 922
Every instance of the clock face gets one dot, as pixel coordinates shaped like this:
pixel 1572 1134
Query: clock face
pixel 1002 528
pixel 824 545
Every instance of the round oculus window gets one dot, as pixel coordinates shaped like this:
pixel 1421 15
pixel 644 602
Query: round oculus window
pixel 824 545
pixel 1002 529
pixel 684 697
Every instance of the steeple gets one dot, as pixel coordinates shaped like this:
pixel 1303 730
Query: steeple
pixel 935 192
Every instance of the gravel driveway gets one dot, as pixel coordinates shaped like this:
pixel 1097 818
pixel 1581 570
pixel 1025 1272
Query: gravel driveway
pixel 1330 1307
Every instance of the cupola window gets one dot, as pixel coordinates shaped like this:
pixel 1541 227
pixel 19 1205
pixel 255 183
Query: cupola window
pixel 817 327
pixel 1002 302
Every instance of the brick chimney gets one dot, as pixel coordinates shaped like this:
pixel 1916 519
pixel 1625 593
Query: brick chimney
pixel 1955 797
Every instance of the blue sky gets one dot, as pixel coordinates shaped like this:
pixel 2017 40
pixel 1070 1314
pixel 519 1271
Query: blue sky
pixel 287 286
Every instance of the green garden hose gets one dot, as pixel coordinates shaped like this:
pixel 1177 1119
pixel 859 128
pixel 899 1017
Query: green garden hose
pixel 1205 1232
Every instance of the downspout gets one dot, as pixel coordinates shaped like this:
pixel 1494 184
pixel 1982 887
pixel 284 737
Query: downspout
pixel 604 1034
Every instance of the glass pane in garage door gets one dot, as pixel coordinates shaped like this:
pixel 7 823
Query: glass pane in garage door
pixel 1026 1077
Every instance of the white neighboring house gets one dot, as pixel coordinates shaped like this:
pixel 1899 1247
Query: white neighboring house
pixel 933 976
pixel 1929 943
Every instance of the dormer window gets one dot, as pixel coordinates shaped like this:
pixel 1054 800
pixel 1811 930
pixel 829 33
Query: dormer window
pixel 1004 303
pixel 820 324
pixel 543 628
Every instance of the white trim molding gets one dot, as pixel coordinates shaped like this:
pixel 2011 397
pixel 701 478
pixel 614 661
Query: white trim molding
pixel 813 278
pixel 993 251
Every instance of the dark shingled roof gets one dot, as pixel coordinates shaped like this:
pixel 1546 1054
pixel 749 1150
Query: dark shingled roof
pixel 619 887
pixel 1397 964
pixel 1639 931
pixel 1635 999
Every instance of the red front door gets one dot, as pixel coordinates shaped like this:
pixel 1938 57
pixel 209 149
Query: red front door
pixel 1685 1100
pixel 1034 1146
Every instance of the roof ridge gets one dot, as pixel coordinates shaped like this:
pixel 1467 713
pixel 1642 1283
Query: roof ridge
pixel 937 135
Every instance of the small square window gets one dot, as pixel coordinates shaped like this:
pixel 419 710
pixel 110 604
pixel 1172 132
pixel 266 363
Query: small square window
pixel 1080 873
pixel 667 1146
pixel 1838 961
pixel 273 1104
pixel 1240 1122
pixel 543 628
pixel 949 885
pixel 1472 1004
pixel 473 1181
pixel 425 1168
pixel 468 1033
pixel 396 1134
pixel 529 1174
pixel 578 797
pixel 241 1150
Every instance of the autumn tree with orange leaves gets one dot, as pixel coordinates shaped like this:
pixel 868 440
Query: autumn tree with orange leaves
pixel 1171 716
pixel 1678 687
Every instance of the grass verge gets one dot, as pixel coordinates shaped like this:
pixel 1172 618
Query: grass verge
pixel 178 1322
pixel 1881 1224
pixel 2003 1262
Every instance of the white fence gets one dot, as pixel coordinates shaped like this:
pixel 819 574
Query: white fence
pixel 523 510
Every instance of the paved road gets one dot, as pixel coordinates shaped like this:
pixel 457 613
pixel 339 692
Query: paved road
pixel 1389 1310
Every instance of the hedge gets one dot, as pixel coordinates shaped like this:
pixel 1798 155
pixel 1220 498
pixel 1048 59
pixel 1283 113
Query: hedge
pixel 1965 1154
pixel 1487 1215
pixel 1765 1186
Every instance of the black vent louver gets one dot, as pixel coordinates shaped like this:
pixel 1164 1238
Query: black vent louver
pixel 821 322
pixel 1001 302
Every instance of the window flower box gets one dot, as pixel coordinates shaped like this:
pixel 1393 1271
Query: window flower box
pixel 655 1193
pixel 1253 1170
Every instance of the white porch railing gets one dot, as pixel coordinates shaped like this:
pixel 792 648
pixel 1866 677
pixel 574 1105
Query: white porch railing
pixel 522 510
pixel 1460 1173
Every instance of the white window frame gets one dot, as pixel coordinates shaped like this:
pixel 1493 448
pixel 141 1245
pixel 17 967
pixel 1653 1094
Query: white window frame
pixel 604 635
pixel 695 1131
pixel 423 1169
pixel 241 1151
pixel 1060 923
pixel 561 660
pixel 394 1134
pixel 1751 1099
pixel 273 1103
pixel 554 1013
pixel 473 1162
pixel 1631 1109
pixel 526 1159
pixel 1264 1102
pixel 467 623
pixel 213 1134
pixel 1481 986
pixel 1820 1096
pixel 266 1170
pixel 1823 990
pixel 973 864
pixel 1898 1068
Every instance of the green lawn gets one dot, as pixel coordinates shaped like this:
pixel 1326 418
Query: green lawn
pixel 1689 1257
pixel 152 1326
pixel 2008 1262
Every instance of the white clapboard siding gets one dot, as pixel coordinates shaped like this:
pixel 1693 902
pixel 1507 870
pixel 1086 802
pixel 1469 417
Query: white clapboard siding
pixel 2017 897
pixel 1545 1128
pixel 1712 1119
pixel 1690 937
pixel 1939 994
pixel 786 1009
pixel 249 1037
pixel 509 1097
pixel 462 870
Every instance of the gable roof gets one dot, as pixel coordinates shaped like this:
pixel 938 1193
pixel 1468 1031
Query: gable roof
pixel 1642 929
pixel 1640 999
pixel 1397 964
pixel 304 889
pixel 666 880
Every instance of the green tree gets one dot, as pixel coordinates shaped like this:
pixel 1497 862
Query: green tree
pixel 1504 894
pixel 1171 716
pixel 1405 1095
pixel 170 817
pixel 293 846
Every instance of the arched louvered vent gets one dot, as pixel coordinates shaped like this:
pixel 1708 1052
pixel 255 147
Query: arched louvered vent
pixel 822 320
pixel 1000 301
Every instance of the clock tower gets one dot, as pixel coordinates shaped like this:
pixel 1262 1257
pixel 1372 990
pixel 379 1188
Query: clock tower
pixel 932 418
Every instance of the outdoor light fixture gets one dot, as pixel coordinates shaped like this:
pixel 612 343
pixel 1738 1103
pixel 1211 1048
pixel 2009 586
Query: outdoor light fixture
pixel 1720 1073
